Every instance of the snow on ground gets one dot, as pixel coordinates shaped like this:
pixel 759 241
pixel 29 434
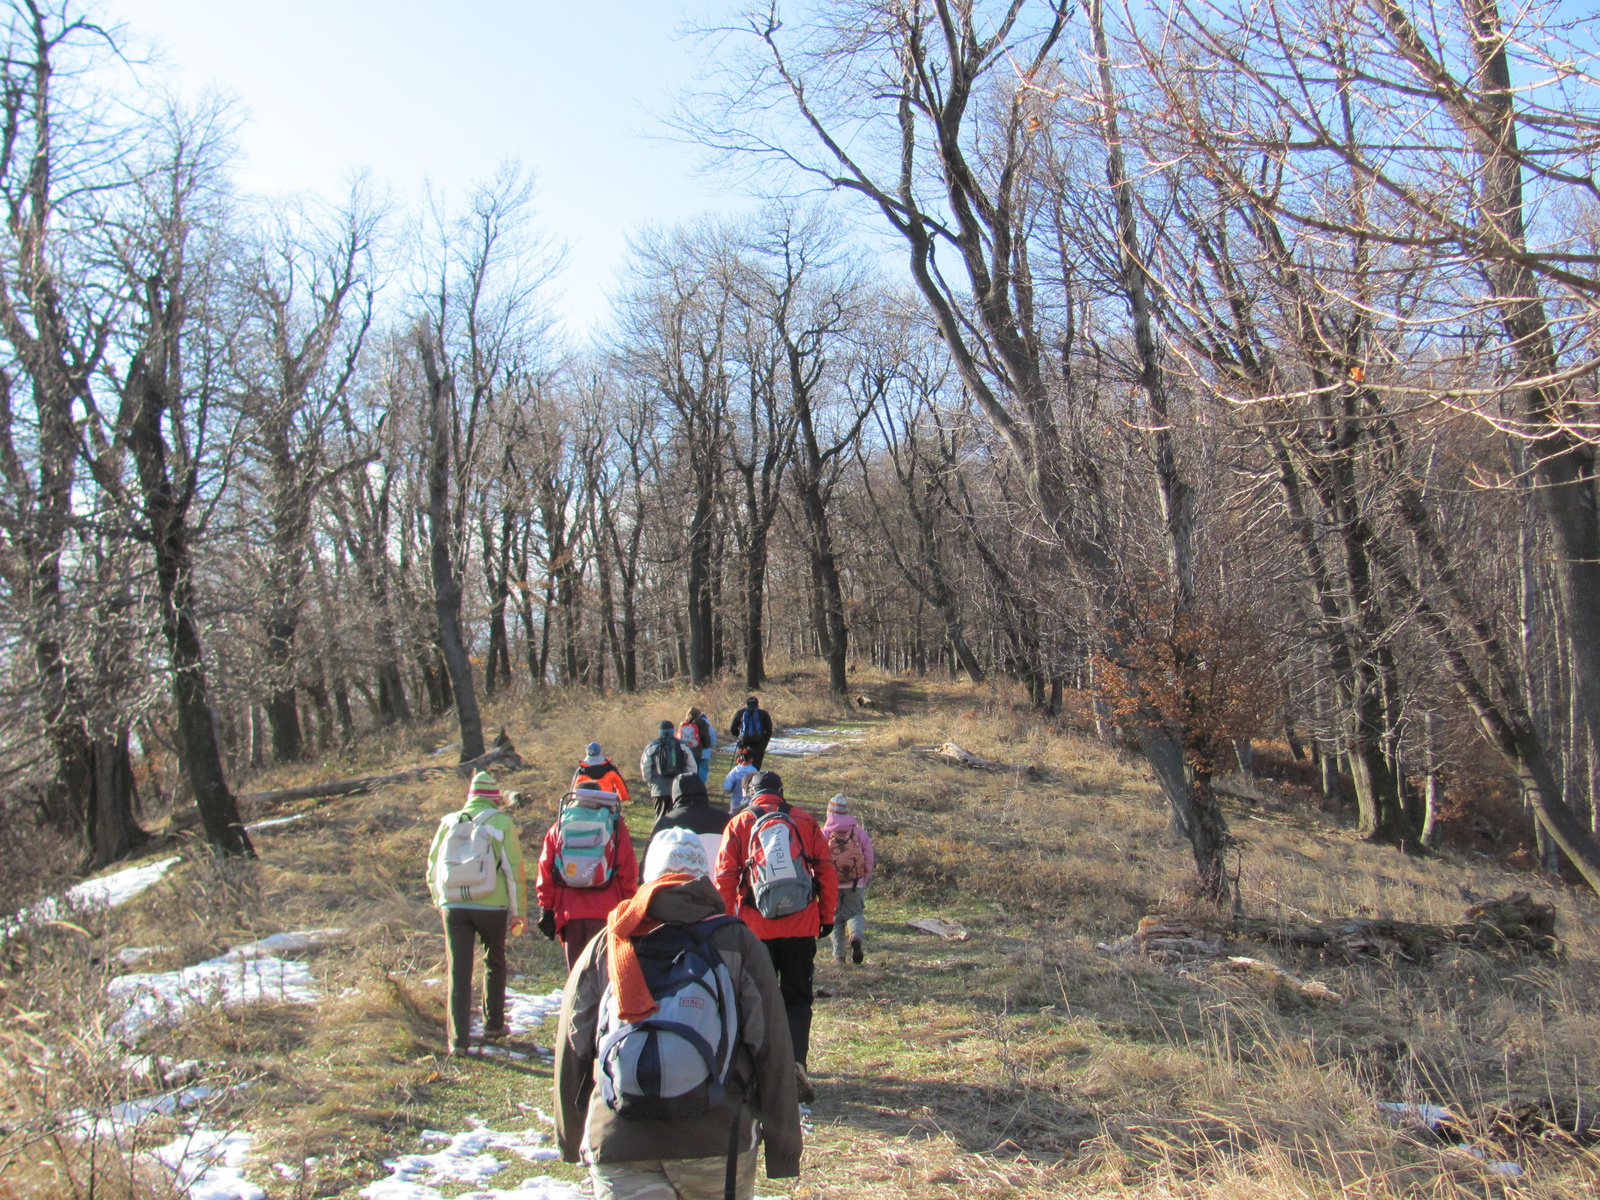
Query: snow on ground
pixel 209 1164
pixel 523 1012
pixel 122 1119
pixel 274 822
pixel 802 739
pixel 108 891
pixel 467 1160
pixel 248 974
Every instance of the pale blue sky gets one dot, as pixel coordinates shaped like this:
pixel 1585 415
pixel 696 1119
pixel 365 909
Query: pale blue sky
pixel 446 89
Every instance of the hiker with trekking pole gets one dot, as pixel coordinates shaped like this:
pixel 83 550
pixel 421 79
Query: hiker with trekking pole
pixel 672 1057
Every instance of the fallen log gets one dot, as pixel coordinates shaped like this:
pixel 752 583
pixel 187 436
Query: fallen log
pixel 502 754
pixel 1515 924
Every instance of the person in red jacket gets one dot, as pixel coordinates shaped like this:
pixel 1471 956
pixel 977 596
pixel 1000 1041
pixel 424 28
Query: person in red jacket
pixel 600 773
pixel 575 915
pixel 790 940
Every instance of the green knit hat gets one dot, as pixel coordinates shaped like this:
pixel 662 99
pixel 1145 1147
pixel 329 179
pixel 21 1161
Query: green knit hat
pixel 483 787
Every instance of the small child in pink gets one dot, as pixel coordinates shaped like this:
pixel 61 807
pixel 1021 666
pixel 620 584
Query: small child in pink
pixel 854 861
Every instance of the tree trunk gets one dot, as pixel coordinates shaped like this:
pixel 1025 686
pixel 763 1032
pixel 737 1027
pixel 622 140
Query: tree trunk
pixel 446 587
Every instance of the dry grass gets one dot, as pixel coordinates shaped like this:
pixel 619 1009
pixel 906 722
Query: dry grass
pixel 1023 1062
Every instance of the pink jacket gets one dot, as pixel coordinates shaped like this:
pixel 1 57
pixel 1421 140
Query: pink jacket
pixel 844 821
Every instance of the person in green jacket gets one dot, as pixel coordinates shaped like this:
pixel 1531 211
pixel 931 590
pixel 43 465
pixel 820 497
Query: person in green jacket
pixel 476 878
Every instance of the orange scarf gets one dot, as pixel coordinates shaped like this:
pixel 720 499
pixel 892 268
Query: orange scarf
pixel 626 922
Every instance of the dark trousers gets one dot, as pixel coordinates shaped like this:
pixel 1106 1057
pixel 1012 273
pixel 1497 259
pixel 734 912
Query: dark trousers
pixel 757 747
pixel 463 929
pixel 794 959
pixel 576 934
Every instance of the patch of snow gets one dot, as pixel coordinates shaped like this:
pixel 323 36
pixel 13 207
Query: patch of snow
pixel 108 891
pixel 130 955
pixel 785 747
pixel 1429 1116
pixel 248 974
pixel 127 1116
pixel 209 1165
pixel 467 1160
pixel 523 1012
pixel 274 822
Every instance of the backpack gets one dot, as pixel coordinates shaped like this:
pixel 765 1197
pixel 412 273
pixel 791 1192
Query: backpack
pixel 693 739
pixel 469 862
pixel 849 858
pixel 754 723
pixel 586 839
pixel 702 730
pixel 669 770
pixel 674 1063
pixel 779 879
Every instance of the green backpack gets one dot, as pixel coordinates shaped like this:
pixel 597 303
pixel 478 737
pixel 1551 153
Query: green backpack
pixel 586 838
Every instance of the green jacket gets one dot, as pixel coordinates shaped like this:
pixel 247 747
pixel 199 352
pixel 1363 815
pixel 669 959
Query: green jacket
pixel 511 847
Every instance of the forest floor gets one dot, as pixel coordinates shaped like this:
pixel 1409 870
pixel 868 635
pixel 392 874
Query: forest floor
pixel 1022 1061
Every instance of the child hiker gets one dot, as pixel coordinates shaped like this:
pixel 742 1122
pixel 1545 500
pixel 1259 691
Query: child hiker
pixel 733 784
pixel 476 877
pixel 853 863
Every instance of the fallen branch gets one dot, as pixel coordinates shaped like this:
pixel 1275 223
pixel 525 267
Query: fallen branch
pixel 1515 924
pixel 502 755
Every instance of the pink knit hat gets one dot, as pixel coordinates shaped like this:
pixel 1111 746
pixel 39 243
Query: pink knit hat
pixel 483 787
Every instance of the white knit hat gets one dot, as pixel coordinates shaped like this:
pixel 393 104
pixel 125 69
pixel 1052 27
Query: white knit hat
pixel 675 850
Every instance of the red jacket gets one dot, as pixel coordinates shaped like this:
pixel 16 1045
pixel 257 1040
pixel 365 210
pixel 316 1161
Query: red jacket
pixel 603 778
pixel 729 873
pixel 570 903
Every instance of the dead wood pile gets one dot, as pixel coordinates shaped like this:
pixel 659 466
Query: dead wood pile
pixel 1515 924
pixel 502 755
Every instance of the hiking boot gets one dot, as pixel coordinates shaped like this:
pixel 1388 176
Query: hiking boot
pixel 460 1051
pixel 493 1033
pixel 857 951
pixel 839 958
pixel 803 1085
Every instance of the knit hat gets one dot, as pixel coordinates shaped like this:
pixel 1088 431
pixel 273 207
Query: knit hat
pixel 688 787
pixel 667 727
pixel 745 754
pixel 839 804
pixel 767 783
pixel 678 850
pixel 593 757
pixel 483 787
pixel 750 702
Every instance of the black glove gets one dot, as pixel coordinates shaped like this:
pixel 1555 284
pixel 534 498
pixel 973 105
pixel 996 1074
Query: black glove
pixel 826 930
pixel 547 923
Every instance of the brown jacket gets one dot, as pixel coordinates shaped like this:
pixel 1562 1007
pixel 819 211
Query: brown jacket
pixel 761 1084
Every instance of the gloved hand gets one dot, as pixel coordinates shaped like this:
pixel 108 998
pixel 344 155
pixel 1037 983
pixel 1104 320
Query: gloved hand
pixel 519 926
pixel 826 930
pixel 547 923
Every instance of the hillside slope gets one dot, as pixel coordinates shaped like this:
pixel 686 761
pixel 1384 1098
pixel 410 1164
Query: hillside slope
pixel 1021 1061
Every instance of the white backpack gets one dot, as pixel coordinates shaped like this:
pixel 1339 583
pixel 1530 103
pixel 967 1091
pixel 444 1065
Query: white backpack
pixel 470 861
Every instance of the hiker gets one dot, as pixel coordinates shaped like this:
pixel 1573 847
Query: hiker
pixel 775 873
pixel 699 739
pixel 752 725
pixel 586 868
pixel 599 772
pixel 654 1114
pixel 734 782
pixel 475 874
pixel 691 809
pixel 853 863
pixel 662 762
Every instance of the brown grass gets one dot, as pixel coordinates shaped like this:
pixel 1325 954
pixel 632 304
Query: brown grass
pixel 1023 1062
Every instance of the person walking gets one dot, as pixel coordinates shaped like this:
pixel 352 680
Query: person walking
pixel 622 1009
pixel 853 863
pixel 775 873
pixel 578 886
pixel 691 809
pixel 661 763
pixel 700 739
pixel 752 725
pixel 598 772
pixel 734 782
pixel 476 878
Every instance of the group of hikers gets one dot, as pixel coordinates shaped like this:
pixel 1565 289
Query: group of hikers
pixel 686 1018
